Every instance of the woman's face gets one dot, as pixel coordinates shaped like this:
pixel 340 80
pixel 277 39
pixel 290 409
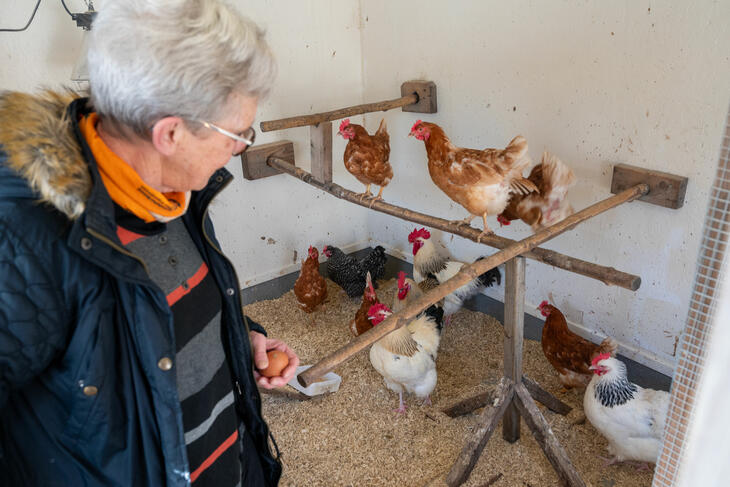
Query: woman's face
pixel 202 153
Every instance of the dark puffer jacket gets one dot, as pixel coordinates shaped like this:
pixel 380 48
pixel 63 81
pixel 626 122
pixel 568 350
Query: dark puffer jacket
pixel 85 399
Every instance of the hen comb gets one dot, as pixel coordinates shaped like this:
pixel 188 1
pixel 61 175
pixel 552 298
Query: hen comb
pixel 543 304
pixel 344 124
pixel 600 357
pixel 376 308
pixel 418 122
pixel 418 232
pixel 401 279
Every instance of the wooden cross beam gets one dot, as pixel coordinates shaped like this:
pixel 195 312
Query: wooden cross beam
pixel 416 96
pixel 607 275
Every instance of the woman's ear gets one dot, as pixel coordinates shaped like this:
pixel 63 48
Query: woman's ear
pixel 167 133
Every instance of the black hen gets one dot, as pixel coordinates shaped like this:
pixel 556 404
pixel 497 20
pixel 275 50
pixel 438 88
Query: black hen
pixel 349 273
pixel 374 263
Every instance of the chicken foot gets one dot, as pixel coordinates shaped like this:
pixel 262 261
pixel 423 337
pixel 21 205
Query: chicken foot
pixel 486 231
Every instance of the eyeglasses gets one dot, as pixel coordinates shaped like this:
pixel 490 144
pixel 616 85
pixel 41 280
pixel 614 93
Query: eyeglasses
pixel 248 136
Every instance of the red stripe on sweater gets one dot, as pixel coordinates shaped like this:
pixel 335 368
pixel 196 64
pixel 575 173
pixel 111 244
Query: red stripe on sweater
pixel 127 236
pixel 193 281
pixel 214 456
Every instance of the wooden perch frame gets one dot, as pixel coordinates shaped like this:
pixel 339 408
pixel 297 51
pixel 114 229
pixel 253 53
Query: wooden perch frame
pixel 513 397
pixel 466 274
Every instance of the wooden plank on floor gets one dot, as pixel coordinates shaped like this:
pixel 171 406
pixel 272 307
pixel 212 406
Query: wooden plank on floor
pixel 545 437
pixel 478 439
pixel 548 400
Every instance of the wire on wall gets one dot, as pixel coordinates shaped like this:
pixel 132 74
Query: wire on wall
pixel 29 20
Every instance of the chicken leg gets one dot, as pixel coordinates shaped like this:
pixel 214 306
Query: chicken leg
pixel 401 406
pixel 486 231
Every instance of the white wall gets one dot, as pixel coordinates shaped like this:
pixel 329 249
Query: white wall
pixel 597 83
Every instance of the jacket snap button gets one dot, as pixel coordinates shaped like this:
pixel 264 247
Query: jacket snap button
pixel 90 391
pixel 219 179
pixel 230 291
pixel 172 261
pixel 163 239
pixel 165 363
pixel 86 243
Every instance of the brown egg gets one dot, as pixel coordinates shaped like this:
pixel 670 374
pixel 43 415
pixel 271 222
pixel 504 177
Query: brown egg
pixel 278 360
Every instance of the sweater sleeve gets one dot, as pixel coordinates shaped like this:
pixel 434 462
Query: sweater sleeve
pixel 32 317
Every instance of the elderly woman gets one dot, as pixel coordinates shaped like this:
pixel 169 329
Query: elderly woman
pixel 125 358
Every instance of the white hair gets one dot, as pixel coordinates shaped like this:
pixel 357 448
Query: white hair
pixel 149 59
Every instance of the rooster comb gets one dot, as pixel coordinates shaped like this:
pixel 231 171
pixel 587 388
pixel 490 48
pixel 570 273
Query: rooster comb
pixel 344 124
pixel 401 279
pixel 600 357
pixel 418 122
pixel 418 232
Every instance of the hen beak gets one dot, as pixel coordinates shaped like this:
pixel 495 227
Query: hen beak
pixel 592 367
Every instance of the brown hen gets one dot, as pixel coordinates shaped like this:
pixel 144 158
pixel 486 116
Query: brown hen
pixel 549 204
pixel 479 180
pixel 310 287
pixel 366 156
pixel 568 353
pixel 361 323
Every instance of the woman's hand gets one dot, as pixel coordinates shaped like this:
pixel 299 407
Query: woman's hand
pixel 261 344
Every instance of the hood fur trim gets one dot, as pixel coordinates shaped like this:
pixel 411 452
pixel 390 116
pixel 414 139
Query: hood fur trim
pixel 39 140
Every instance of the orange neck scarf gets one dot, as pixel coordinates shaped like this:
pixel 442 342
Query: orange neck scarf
pixel 125 186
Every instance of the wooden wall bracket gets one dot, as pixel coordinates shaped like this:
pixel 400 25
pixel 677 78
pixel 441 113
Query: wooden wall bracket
pixel 426 91
pixel 664 189
pixel 253 161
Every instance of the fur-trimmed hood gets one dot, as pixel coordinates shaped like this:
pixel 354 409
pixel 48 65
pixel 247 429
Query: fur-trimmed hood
pixel 39 142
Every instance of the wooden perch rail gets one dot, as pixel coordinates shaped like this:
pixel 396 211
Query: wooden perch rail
pixel 466 274
pixel 317 118
pixel 607 275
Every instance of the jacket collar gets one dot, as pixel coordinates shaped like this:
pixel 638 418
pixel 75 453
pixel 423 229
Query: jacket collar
pixel 44 146
pixel 38 139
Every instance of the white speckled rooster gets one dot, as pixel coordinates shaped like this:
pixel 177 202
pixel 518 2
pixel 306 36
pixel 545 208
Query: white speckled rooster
pixel 406 357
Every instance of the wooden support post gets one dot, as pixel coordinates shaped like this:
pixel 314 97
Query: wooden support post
pixel 607 275
pixel 514 327
pixel 321 144
pixel 540 428
pixel 478 439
